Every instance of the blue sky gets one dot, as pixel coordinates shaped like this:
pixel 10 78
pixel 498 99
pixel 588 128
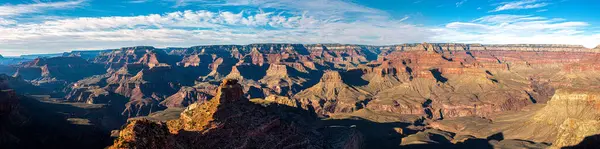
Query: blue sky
pixel 48 26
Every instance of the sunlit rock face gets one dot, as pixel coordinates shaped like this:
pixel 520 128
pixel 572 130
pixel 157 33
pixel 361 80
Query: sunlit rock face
pixel 237 122
pixel 332 95
pixel 573 113
pixel 430 82
pixel 457 79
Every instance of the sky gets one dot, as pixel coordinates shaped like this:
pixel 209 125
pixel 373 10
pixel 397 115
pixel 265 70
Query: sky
pixel 53 26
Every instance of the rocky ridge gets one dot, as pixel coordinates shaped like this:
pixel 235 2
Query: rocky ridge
pixel 434 81
pixel 249 126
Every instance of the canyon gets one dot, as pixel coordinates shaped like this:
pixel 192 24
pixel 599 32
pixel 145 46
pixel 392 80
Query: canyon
pixel 423 95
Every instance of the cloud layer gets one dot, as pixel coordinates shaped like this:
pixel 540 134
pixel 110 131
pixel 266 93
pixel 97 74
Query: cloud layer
pixel 522 4
pixel 287 21
pixel 8 10
pixel 515 29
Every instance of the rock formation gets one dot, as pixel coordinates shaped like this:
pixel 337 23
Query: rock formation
pixel 332 95
pixel 566 120
pixel 185 97
pixel 572 114
pixel 457 88
pixel 227 121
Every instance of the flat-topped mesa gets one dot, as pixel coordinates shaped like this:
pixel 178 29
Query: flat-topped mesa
pixel 331 76
pixel 59 68
pixel 277 70
pixel 332 95
pixel 56 61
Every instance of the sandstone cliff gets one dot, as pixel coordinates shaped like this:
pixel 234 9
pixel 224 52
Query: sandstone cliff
pixel 432 83
pixel 571 115
pixel 226 121
pixel 332 95
pixel 566 120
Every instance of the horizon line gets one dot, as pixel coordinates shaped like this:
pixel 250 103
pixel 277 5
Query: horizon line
pixel 168 47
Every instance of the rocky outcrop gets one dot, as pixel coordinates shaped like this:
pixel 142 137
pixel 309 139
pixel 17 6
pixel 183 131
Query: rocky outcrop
pixel 279 81
pixel 435 81
pixel 566 120
pixel 89 95
pixel 145 134
pixel 332 95
pixel 185 97
pixel 247 125
pixel 190 61
pixel 154 58
pixel 573 131
pixel 570 116
pixel 282 100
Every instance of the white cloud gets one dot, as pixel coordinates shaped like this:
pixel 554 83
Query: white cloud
pixel 20 9
pixel 521 4
pixel 311 21
pixel 231 18
pixel 137 1
pixel 458 4
pixel 188 28
pixel 506 18
pixel 7 22
pixel 515 29
pixel 334 9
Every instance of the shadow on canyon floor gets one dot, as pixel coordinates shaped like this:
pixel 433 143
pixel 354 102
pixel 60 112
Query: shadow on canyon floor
pixel 443 143
pixel 376 135
pixel 52 125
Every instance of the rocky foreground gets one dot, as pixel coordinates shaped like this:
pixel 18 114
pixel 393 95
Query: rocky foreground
pixel 230 120
pixel 331 95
